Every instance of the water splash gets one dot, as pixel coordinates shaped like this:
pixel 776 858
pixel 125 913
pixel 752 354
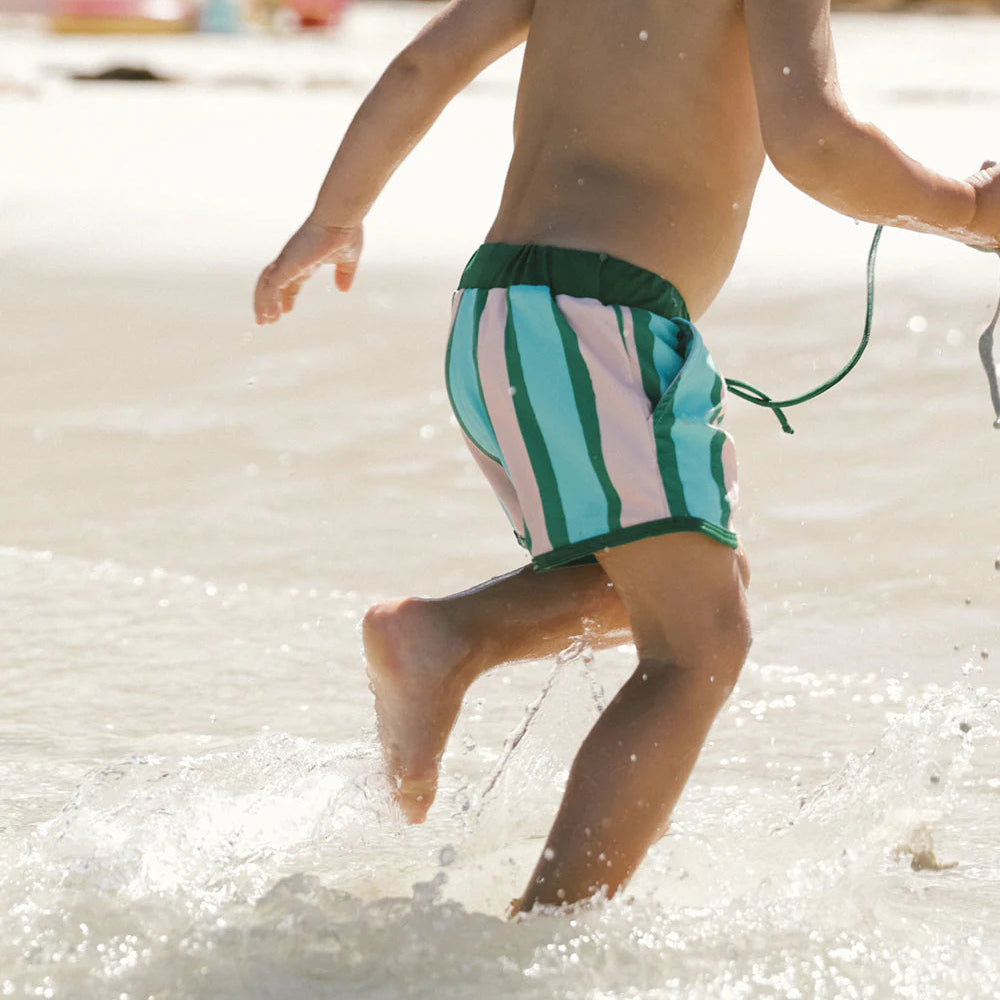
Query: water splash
pixel 276 867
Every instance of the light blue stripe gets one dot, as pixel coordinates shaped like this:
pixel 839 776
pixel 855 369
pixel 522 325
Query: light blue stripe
pixel 463 381
pixel 692 434
pixel 666 359
pixel 550 390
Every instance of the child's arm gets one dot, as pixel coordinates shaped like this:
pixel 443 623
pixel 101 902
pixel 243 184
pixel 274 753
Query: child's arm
pixel 815 142
pixel 448 53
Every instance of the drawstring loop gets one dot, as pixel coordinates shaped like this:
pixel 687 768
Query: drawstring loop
pixel 754 395
pixel 986 354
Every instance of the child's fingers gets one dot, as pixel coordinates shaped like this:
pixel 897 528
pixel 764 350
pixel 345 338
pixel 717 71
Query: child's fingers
pixel 344 274
pixel 265 296
pixel 288 294
pixel 277 287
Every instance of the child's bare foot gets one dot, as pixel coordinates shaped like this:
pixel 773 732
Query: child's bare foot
pixel 418 665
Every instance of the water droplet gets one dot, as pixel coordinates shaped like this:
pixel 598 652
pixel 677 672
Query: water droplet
pixel 916 324
pixel 632 757
pixel 548 854
pixel 643 35
pixel 447 856
pixel 786 70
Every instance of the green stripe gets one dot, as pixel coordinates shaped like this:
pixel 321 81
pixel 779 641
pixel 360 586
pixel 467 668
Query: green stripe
pixel 538 453
pixel 586 409
pixel 663 413
pixel 580 273
pixel 621 326
pixel 581 552
pixel 644 341
pixel 718 442
pixel 664 419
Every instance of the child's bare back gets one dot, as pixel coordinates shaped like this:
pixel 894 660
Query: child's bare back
pixel 636 135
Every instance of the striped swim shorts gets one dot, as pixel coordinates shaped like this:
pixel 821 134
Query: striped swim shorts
pixel 589 401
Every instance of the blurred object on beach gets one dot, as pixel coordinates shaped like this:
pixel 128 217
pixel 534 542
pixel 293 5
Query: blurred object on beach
pixel 221 17
pixel 317 13
pixel 129 17
pixel 121 74
pixel 309 15
pixel 920 6
pixel 142 17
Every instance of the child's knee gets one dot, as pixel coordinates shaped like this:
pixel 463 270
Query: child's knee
pixel 717 659
pixel 732 648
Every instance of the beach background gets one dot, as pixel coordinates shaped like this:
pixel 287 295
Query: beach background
pixel 195 513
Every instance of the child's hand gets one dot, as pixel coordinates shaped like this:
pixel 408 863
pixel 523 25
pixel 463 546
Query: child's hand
pixel 312 246
pixel 986 222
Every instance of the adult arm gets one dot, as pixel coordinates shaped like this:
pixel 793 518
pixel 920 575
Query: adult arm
pixel 447 54
pixel 813 139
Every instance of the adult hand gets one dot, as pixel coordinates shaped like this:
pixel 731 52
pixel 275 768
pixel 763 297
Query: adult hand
pixel 312 246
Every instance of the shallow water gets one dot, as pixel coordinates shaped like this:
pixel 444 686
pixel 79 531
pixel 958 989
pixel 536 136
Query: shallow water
pixel 272 864
pixel 195 514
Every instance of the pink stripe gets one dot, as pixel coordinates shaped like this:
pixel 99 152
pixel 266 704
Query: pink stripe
pixel 627 441
pixel 628 332
pixel 501 486
pixel 729 473
pixel 492 362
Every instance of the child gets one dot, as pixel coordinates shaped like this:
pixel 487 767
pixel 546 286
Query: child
pixel 583 389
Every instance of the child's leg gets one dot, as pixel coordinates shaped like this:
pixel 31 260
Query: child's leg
pixel 423 655
pixel 685 595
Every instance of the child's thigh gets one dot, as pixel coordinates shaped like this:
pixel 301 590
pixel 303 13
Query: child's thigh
pixel 685 595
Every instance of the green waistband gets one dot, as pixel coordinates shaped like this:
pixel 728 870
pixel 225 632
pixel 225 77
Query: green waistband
pixel 580 273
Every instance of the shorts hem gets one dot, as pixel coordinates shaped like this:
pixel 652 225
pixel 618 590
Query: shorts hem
pixel 583 551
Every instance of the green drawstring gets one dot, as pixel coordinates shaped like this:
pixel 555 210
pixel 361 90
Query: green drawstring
pixel 986 354
pixel 753 395
pixel 990 364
